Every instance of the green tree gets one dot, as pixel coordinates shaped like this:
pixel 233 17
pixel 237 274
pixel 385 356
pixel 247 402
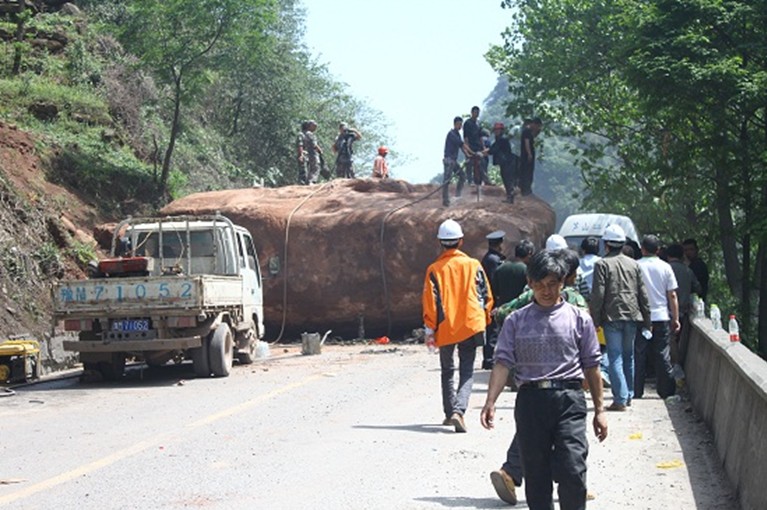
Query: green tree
pixel 668 99
pixel 183 41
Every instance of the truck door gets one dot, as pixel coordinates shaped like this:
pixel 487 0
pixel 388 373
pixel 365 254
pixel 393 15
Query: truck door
pixel 252 291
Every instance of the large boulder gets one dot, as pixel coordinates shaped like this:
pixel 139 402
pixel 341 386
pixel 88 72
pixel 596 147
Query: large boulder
pixel 357 250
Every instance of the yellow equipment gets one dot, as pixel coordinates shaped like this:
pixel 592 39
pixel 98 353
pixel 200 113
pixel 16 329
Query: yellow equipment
pixel 19 360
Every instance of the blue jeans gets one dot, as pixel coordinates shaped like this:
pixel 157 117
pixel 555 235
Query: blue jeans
pixel 457 401
pixel 619 336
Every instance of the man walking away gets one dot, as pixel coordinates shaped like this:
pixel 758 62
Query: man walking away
pixel 453 143
pixel 618 302
pixel 661 289
pixel 590 247
pixel 490 263
pixel 553 346
pixel 456 311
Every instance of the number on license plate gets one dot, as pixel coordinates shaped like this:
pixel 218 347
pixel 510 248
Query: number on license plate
pixel 131 325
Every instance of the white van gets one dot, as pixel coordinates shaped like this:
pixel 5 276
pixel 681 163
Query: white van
pixel 578 227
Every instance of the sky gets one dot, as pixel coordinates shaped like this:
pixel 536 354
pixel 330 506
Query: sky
pixel 419 62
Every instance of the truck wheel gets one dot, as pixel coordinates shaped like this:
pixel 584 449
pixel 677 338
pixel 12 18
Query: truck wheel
pixel 114 369
pixel 221 351
pixel 247 355
pixel 200 359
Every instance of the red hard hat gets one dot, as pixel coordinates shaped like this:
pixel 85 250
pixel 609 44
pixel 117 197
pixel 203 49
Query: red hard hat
pixel 498 125
pixel 383 150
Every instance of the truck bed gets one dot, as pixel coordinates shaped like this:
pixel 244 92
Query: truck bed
pixel 120 297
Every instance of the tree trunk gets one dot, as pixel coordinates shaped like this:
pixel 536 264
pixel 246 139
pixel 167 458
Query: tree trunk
pixel 21 20
pixel 727 229
pixel 174 129
pixel 746 311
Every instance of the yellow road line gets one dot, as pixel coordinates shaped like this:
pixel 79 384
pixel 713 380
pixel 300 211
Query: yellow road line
pixel 148 443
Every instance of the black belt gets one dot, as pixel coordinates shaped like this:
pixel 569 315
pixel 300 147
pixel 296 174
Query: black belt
pixel 556 384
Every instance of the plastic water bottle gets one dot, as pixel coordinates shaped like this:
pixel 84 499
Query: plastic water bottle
pixel 734 329
pixel 716 317
pixel 699 307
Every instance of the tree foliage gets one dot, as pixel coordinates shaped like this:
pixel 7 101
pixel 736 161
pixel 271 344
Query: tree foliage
pixel 669 101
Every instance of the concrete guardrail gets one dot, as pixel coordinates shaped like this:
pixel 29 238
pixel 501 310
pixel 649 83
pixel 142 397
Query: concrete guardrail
pixel 728 388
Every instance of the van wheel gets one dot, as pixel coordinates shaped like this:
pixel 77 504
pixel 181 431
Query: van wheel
pixel 200 359
pixel 247 355
pixel 221 351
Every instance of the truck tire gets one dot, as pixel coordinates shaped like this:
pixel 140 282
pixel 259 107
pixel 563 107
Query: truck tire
pixel 221 351
pixel 200 358
pixel 247 355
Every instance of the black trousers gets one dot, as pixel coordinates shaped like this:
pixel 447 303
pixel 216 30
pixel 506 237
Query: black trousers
pixel 551 428
pixel 510 176
pixel 660 352
pixel 526 171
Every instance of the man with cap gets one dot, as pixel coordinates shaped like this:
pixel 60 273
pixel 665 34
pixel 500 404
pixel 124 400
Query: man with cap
pixel 456 303
pixel 343 149
pixel 312 154
pixel 490 263
pixel 618 303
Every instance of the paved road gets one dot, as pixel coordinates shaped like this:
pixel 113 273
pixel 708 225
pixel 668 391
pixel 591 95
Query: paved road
pixel 355 427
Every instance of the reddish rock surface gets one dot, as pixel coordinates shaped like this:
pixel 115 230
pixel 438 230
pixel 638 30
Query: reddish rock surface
pixel 336 269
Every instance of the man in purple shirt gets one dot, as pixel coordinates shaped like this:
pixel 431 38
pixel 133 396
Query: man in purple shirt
pixel 553 346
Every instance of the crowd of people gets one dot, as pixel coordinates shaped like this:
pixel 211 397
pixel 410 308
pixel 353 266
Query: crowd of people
pixel 516 170
pixel 466 137
pixel 553 323
pixel 311 161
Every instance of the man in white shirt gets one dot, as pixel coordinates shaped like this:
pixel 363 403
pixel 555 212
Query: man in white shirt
pixel 661 284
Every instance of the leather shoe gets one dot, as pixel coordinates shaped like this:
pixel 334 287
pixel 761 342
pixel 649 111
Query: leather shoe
pixel 504 486
pixel 457 421
pixel 616 407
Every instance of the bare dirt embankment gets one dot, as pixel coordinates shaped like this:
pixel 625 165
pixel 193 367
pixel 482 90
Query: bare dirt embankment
pixel 41 225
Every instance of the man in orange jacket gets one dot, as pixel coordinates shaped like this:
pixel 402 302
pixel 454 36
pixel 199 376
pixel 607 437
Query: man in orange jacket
pixel 456 310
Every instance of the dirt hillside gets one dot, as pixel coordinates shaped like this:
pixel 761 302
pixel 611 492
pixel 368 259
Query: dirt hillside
pixel 40 224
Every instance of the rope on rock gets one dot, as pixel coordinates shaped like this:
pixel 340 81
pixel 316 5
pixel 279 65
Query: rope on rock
pixel 285 259
pixel 383 252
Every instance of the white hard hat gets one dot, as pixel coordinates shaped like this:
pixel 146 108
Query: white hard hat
pixel 449 230
pixel 556 242
pixel 614 233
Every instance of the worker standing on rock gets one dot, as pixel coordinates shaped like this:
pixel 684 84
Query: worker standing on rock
pixel 344 150
pixel 453 143
pixel 553 346
pixel 380 165
pixel 312 155
pixel 507 160
pixel 456 311
pixel 303 159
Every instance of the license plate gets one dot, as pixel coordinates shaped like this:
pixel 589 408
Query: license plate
pixel 131 325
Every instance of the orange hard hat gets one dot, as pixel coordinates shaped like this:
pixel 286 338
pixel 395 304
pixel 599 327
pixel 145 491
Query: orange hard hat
pixel 498 125
pixel 383 150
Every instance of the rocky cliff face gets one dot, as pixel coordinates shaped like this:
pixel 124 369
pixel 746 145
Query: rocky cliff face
pixel 347 251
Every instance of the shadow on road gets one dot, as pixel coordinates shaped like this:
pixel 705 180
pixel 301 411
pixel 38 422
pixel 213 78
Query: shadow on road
pixel 428 428
pixel 466 502
pixel 710 486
